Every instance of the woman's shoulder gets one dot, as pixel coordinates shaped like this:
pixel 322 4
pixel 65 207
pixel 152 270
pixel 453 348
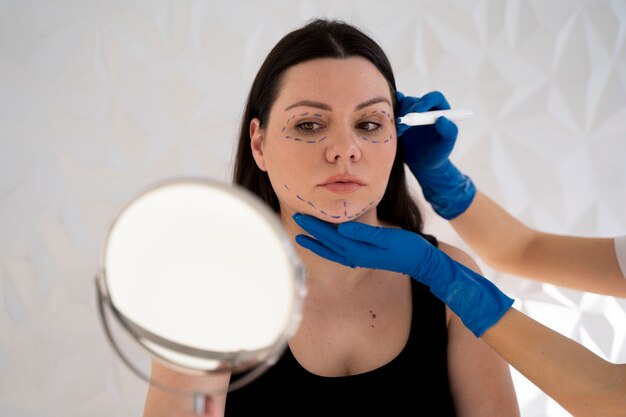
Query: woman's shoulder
pixel 460 256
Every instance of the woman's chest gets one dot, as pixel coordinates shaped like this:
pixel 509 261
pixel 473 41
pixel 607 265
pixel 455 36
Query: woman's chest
pixel 349 334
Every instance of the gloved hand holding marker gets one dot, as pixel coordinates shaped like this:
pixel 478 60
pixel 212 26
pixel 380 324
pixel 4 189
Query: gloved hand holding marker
pixel 426 150
pixel 430 117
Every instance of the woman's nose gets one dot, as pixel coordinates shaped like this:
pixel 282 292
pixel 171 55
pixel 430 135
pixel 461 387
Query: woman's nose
pixel 343 146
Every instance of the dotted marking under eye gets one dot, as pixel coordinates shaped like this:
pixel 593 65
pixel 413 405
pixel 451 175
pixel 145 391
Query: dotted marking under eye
pixel 304 141
pixel 345 207
pixel 376 141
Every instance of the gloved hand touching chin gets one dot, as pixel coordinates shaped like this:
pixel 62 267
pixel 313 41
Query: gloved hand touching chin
pixel 477 301
pixel 426 151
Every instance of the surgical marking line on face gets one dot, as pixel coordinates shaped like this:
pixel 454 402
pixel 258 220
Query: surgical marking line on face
pixel 345 207
pixel 304 141
pixel 287 122
pixel 376 141
pixel 387 114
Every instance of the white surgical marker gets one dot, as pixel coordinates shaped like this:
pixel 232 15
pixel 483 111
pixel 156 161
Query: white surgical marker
pixel 430 117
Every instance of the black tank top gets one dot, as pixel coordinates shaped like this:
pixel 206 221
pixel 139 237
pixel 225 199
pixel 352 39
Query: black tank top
pixel 414 382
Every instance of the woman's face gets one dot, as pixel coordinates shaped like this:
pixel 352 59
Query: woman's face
pixel 330 140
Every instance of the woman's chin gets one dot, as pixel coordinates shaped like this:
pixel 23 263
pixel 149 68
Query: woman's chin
pixel 335 212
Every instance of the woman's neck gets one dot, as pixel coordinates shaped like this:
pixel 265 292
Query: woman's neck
pixel 321 270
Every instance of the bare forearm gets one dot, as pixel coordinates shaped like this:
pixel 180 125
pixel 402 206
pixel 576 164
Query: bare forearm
pixel 506 244
pixel 582 382
pixel 586 264
pixel 172 393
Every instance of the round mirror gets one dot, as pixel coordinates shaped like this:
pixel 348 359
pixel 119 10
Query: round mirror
pixel 201 276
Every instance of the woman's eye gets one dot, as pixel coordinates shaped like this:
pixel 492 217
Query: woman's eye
pixel 369 126
pixel 308 126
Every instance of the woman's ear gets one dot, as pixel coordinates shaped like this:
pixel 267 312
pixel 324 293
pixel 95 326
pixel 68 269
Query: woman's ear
pixel 256 143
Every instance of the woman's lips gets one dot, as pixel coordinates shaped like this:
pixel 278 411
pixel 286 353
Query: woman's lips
pixel 343 183
pixel 342 187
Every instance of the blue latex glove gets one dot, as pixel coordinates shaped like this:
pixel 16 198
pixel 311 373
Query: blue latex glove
pixel 475 299
pixel 426 151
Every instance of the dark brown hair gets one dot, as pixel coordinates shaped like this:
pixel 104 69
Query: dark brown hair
pixel 320 38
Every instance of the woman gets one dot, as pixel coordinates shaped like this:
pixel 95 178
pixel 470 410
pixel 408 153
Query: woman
pixel 318 137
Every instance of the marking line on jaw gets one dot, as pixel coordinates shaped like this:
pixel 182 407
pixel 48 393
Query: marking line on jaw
pixel 345 206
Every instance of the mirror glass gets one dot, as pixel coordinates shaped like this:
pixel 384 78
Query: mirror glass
pixel 201 276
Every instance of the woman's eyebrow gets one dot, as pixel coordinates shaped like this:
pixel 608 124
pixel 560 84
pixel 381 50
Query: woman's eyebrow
pixel 310 103
pixel 324 106
pixel 371 101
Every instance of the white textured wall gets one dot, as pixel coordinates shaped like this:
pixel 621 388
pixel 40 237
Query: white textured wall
pixel 100 98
